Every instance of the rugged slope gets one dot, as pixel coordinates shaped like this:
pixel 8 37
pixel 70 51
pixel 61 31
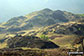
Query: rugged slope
pixel 69 28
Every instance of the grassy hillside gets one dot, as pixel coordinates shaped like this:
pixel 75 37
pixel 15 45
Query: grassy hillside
pixel 65 40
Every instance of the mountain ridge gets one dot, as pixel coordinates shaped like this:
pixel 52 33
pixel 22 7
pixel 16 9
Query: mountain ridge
pixel 40 18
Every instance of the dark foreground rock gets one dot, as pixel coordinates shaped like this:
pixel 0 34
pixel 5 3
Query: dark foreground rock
pixel 30 42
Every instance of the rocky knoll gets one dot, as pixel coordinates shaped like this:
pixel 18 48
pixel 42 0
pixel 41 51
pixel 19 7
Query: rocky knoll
pixel 30 42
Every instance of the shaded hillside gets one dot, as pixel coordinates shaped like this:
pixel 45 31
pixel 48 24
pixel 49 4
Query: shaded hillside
pixel 40 18
pixel 30 42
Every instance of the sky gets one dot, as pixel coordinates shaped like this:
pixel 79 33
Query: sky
pixel 14 8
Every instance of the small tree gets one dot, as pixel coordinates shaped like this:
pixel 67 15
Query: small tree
pixel 44 37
